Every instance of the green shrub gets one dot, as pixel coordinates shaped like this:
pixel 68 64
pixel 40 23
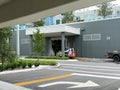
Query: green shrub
pixel 44 63
pixel 13 65
pixel 48 57
pixel 23 64
pixel 1 68
pixel 48 63
pixel 53 63
pixel 18 64
pixel 37 63
pixel 6 66
pixel 30 64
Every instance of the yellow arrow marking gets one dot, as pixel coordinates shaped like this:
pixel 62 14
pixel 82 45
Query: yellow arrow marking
pixel 43 80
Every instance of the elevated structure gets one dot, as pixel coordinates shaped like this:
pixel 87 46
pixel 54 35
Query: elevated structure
pixel 22 11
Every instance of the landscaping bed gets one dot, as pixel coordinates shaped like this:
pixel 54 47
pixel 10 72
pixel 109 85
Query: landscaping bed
pixel 48 57
pixel 22 64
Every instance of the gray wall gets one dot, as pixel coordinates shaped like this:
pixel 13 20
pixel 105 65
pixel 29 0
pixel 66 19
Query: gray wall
pixel 26 44
pixel 96 49
pixel 107 28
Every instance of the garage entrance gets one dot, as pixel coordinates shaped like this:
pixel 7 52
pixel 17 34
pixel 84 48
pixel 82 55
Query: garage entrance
pixel 56 45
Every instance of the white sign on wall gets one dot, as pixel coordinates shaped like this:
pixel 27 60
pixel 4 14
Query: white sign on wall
pixel 91 37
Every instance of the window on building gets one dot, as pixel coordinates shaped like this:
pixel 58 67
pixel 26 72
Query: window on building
pixel 77 18
pixel 58 21
pixel 118 13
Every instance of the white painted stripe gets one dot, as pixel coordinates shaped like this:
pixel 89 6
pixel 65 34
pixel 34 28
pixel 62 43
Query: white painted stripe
pixel 98 76
pixel 60 82
pixel 91 66
pixel 81 71
pixel 74 84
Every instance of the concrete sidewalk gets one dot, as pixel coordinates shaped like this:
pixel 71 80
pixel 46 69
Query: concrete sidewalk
pixel 23 58
pixel 94 59
pixel 8 86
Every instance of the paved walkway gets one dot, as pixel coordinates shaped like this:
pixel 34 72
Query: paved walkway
pixel 8 86
pixel 94 59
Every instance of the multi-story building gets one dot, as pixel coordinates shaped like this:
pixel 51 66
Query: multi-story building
pixel 54 20
pixel 91 15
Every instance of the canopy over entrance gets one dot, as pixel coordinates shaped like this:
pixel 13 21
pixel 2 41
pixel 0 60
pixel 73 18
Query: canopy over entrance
pixel 55 30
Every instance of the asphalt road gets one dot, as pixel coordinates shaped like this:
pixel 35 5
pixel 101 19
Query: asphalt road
pixel 71 75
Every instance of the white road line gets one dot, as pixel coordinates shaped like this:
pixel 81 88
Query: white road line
pixel 74 84
pixel 81 71
pixel 91 66
pixel 98 76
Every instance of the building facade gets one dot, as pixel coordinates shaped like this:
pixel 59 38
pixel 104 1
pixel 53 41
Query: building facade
pixel 90 39
pixel 92 15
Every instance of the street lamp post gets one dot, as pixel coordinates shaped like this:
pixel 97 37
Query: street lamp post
pixel 18 41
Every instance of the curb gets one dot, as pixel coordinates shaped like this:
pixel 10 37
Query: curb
pixel 29 69
pixel 58 65
pixel 20 70
pixel 96 60
pixel 84 59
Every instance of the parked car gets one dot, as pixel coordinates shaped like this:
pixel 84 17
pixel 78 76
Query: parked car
pixel 115 55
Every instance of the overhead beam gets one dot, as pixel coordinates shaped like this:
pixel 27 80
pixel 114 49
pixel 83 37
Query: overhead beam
pixel 24 11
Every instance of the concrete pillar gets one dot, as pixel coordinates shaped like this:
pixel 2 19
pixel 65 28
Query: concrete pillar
pixel 31 44
pixel 18 42
pixel 49 46
pixel 63 43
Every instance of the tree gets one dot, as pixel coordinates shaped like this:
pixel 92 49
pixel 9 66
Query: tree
pixel 39 23
pixel 39 42
pixel 6 52
pixel 68 17
pixel 105 9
